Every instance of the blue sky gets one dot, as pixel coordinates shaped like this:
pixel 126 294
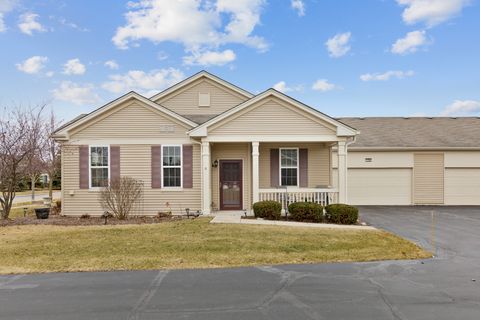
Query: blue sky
pixel 346 58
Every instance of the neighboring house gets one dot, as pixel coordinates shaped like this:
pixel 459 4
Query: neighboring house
pixel 207 145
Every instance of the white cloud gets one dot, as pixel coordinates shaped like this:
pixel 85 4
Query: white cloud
pixel 112 64
pixel 323 85
pixel 28 23
pixel 197 25
pixel 410 44
pixel 386 75
pixel 338 45
pixel 49 74
pixel 282 87
pixel 5 7
pixel 299 6
pixel 462 108
pixel 431 12
pixel 74 67
pixel 80 94
pixel 142 82
pixel 32 65
pixel 209 58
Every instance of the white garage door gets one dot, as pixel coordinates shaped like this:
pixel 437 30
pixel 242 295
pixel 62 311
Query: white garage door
pixel 462 186
pixel 380 186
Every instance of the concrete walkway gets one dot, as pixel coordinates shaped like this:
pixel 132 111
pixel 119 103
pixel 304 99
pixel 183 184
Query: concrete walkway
pixel 236 218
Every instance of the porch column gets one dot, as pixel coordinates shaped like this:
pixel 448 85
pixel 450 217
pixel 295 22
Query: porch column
pixel 342 171
pixel 206 183
pixel 255 173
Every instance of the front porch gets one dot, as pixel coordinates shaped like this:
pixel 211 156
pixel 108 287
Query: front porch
pixel 287 172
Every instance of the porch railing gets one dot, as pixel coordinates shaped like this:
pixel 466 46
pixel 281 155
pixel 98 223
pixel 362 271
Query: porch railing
pixel 287 196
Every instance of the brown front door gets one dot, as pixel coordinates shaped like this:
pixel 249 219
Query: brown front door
pixel 231 185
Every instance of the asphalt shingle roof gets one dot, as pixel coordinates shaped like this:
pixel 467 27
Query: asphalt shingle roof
pixel 416 132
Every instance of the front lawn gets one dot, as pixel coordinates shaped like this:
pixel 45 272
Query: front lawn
pixel 188 244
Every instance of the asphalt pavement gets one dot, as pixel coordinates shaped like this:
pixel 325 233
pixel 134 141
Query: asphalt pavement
pixel 446 287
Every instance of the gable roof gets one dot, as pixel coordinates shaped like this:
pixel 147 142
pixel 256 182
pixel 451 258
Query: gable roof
pixel 195 77
pixel 342 129
pixel 416 133
pixel 62 132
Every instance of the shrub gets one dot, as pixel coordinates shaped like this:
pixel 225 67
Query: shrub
pixel 85 216
pixel 306 212
pixel 270 210
pixel 341 214
pixel 122 196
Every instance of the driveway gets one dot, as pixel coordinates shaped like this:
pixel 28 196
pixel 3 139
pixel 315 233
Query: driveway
pixel 440 288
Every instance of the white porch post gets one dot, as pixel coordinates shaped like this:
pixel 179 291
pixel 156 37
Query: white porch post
pixel 255 172
pixel 206 187
pixel 342 171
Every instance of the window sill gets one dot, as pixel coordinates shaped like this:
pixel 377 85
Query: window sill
pixel 171 189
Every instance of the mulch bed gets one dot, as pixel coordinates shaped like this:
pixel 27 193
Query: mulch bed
pixel 91 221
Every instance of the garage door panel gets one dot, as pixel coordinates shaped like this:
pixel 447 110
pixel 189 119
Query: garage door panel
pixel 380 186
pixel 462 186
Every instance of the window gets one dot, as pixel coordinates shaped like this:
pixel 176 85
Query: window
pixel 172 166
pixel 289 167
pixel 99 167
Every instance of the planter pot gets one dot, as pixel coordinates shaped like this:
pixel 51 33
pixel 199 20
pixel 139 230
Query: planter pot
pixel 42 213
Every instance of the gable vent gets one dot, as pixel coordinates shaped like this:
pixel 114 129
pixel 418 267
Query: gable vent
pixel 204 99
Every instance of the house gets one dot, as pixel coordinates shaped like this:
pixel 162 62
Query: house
pixel 206 144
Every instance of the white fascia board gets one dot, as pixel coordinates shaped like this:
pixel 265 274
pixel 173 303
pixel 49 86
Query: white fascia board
pixel 342 129
pixel 194 78
pixel 64 131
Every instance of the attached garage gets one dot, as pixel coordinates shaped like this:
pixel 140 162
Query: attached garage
pixel 414 161
pixel 380 186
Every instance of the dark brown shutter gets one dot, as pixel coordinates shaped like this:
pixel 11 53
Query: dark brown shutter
pixel 114 163
pixel 274 167
pixel 187 166
pixel 84 174
pixel 157 166
pixel 303 166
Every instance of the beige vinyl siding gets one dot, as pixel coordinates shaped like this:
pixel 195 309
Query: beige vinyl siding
pixel 135 161
pixel 428 176
pixel 318 162
pixel 131 120
pixel 271 117
pixel 185 101
pixel 231 151
pixel 380 186
pixel 462 186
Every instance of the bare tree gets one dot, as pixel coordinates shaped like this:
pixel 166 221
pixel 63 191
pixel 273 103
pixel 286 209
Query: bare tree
pixel 121 196
pixel 35 166
pixel 20 130
pixel 51 154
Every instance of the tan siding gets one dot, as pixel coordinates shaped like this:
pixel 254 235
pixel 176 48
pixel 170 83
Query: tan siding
pixel 135 162
pixel 379 186
pixel 232 151
pixel 132 120
pixel 428 178
pixel 318 163
pixel 380 159
pixel 462 159
pixel 462 186
pixel 186 101
pixel 271 117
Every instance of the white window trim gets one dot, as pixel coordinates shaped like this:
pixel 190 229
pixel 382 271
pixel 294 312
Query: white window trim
pixel 181 167
pixel 90 165
pixel 288 167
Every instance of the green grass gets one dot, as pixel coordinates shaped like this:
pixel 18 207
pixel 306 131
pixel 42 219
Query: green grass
pixel 188 244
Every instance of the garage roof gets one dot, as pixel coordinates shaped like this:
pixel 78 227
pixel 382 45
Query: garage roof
pixel 416 132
